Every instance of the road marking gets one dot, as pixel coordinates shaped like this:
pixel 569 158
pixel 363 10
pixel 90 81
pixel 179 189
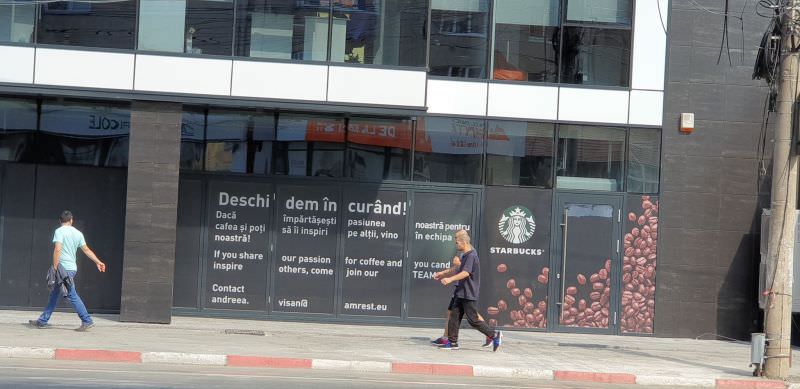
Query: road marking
pixel 251 376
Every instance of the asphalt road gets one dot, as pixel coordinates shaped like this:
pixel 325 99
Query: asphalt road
pixel 36 374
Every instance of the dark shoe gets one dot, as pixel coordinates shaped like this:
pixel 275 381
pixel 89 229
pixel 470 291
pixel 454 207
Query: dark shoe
pixel 84 327
pixel 439 341
pixel 449 346
pixel 497 340
pixel 488 342
pixel 37 324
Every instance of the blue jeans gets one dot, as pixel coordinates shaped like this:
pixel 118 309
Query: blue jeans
pixel 73 298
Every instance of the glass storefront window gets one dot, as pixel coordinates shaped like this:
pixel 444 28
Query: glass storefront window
pixel 378 149
pixel 309 146
pixel 600 11
pixel 644 156
pixel 282 29
pixel 193 125
pixel 449 150
pixel 381 32
pixel 519 153
pixel 82 133
pixel 590 158
pixel 186 26
pixel 526 39
pixel 89 24
pixel 16 21
pixel 594 56
pixel 17 129
pixel 459 38
pixel 239 142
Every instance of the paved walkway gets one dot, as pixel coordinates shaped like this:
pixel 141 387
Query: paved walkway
pixel 619 359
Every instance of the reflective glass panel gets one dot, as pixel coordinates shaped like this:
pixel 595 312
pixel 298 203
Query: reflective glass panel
pixel 239 142
pixel 378 149
pixel 526 39
pixel 459 38
pixel 600 11
pixel 17 129
pixel 186 26
pixel 106 24
pixel 590 158
pixel 383 32
pixel 282 29
pixel 16 21
pixel 593 56
pixel 519 153
pixel 644 160
pixel 449 150
pixel 309 146
pixel 193 139
pixel 84 133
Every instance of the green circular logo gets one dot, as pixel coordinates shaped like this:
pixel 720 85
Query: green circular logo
pixel 517 224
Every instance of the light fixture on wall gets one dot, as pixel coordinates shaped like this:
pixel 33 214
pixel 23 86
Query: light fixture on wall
pixel 687 123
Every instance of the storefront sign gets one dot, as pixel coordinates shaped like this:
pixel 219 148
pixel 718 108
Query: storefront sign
pixel 374 252
pixel 238 245
pixel 437 217
pixel 516 251
pixel 305 259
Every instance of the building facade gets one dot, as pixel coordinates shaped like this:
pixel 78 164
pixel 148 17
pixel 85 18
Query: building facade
pixel 312 159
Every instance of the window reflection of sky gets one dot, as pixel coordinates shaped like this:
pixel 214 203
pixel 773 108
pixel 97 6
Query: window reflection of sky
pixel 589 210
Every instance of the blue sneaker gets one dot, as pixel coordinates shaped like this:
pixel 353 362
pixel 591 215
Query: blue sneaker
pixel 449 346
pixel 497 340
pixel 439 341
pixel 488 342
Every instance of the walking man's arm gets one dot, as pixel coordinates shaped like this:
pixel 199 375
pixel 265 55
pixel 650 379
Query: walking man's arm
pixel 56 254
pixel 452 270
pixel 89 253
pixel 458 277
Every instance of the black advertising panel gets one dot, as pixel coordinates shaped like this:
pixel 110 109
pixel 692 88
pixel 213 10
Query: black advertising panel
pixel 305 254
pixel 516 257
pixel 374 248
pixel 238 245
pixel 437 217
pixel 188 243
pixel 637 303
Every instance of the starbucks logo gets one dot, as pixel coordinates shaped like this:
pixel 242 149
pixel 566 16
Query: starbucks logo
pixel 517 224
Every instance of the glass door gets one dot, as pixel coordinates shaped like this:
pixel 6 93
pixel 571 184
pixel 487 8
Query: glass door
pixel 585 263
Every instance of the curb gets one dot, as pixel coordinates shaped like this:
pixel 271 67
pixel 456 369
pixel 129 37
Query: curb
pixel 380 367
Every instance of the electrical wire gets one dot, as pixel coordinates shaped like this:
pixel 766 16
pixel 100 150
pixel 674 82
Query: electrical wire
pixel 660 17
pixel 726 42
pixel 769 57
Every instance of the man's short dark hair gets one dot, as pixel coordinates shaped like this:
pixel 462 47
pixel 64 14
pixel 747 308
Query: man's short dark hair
pixel 66 216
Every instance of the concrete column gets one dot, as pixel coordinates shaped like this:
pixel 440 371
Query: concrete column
pixel 151 213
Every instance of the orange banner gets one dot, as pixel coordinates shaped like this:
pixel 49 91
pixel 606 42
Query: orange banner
pixel 321 130
pixel 384 134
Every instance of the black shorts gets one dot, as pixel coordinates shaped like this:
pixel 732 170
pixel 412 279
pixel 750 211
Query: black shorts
pixel 452 304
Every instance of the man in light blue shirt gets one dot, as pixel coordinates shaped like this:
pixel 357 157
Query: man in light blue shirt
pixel 68 240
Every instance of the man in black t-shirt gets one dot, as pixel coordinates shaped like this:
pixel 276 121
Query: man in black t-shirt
pixel 466 295
pixel 456 261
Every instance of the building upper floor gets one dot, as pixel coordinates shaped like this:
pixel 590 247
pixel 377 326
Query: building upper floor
pixel 575 60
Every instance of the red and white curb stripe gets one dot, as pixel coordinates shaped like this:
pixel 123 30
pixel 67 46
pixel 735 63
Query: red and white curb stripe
pixel 380 367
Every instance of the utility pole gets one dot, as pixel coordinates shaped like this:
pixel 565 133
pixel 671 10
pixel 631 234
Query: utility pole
pixel 778 315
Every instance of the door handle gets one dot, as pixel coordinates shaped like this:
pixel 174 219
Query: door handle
pixel 564 251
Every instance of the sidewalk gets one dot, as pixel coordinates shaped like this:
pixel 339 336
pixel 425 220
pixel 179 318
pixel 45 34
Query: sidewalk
pixel 255 343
